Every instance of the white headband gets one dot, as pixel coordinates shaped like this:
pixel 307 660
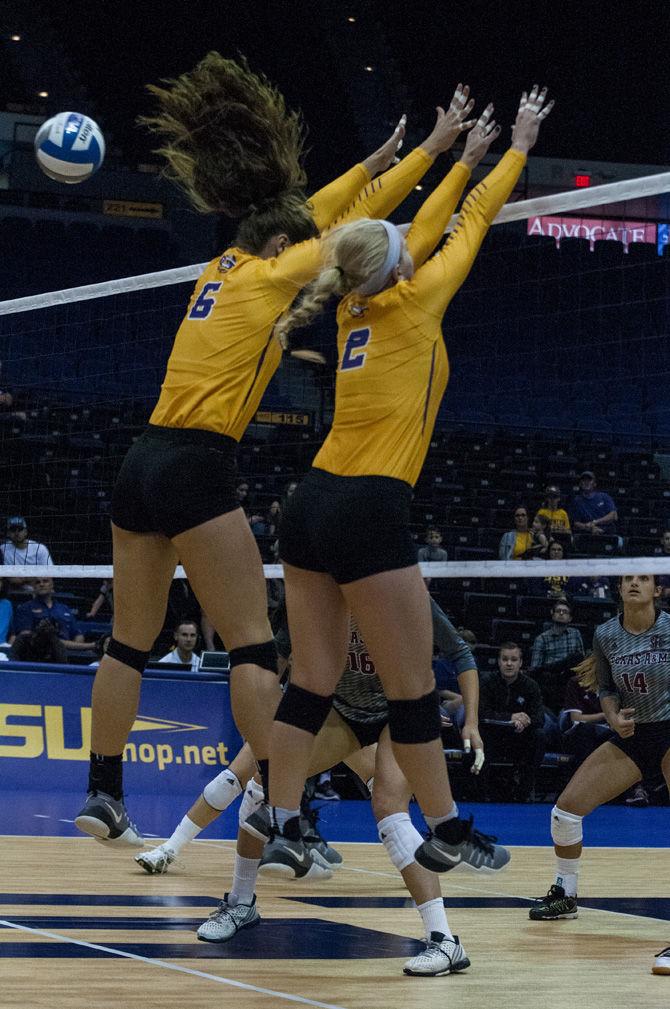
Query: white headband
pixel 379 277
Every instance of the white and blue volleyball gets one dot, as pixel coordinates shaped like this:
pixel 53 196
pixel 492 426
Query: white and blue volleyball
pixel 69 147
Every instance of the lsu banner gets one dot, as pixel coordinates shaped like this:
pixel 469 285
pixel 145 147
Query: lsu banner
pixel 183 736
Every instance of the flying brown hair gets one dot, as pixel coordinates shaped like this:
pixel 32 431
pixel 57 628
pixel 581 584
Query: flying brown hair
pixel 231 144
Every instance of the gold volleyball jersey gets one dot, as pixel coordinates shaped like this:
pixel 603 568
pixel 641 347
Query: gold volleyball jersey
pixel 393 367
pixel 224 354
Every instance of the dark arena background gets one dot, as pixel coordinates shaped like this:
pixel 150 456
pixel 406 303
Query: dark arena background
pixel 559 356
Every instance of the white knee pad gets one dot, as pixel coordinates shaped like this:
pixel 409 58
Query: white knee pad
pixel 400 838
pixel 566 828
pixel 253 797
pixel 220 791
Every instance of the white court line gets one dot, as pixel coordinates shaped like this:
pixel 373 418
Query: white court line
pixel 170 966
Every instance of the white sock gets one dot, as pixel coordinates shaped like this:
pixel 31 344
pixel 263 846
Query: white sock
pixel 244 880
pixel 567 871
pixel 282 815
pixel 433 821
pixel 184 833
pixel 434 917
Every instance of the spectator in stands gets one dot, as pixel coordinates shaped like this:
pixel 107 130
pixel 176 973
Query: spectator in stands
pixel 558 517
pixel 185 641
pixel 19 549
pixel 514 700
pixel 6 615
pixel 517 541
pixel 242 493
pixel 540 533
pixel 8 412
pixel 433 549
pixel 42 644
pixel 595 587
pixel 45 608
pixel 555 651
pixel 582 722
pixel 552 586
pixel 664 580
pixel 275 586
pixel 105 596
pixel 593 511
pixel 99 649
pixel 272 518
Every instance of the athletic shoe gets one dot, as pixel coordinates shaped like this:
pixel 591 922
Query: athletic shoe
pixel 259 823
pixel 292 860
pixel 637 796
pixel 107 820
pixel 456 842
pixel 555 905
pixel 228 919
pixel 441 956
pixel 662 962
pixel 157 860
pixel 314 842
pixel 326 792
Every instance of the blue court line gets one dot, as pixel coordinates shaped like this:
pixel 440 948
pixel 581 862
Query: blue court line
pixel 280 939
pixel 645 907
pixel 106 900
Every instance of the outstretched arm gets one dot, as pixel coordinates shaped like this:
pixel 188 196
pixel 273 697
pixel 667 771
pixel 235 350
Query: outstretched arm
pixel 384 194
pixel 430 222
pixel 437 281
pixel 332 200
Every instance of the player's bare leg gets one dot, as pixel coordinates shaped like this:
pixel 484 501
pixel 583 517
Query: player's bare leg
pixel 225 570
pixel 604 775
pixel 144 566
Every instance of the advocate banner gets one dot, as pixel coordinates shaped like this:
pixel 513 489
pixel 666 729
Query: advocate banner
pixel 593 230
pixel 183 736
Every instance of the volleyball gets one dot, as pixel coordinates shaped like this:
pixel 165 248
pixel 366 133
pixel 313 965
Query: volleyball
pixel 69 147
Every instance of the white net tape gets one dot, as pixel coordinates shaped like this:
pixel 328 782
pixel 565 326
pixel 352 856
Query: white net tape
pixel 614 192
pixel 583 567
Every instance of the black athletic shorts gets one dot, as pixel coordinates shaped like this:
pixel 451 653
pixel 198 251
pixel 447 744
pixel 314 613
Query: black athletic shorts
pixel 646 747
pixel 365 732
pixel 174 479
pixel 349 527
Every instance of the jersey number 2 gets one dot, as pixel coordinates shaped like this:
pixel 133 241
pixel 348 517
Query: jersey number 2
pixel 204 303
pixel 354 355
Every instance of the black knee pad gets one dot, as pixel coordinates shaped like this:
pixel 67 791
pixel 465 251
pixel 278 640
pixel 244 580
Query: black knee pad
pixel 303 709
pixel 132 657
pixel 415 721
pixel 263 655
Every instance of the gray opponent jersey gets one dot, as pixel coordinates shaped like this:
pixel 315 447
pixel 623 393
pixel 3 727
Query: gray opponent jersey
pixel 635 667
pixel 360 696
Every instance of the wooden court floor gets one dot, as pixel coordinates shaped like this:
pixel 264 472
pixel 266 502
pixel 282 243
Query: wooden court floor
pixel 77 907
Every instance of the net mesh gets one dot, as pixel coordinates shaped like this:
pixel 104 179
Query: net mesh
pixel 558 357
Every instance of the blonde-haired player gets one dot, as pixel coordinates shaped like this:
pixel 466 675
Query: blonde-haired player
pixel 345 539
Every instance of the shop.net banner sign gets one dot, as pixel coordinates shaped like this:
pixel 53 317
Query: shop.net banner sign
pixel 593 230
pixel 182 737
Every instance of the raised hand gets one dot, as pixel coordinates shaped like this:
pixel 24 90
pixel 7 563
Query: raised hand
pixel 480 138
pixel 532 111
pixel 451 123
pixel 385 155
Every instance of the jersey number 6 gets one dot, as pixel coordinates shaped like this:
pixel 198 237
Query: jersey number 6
pixel 204 303
pixel 354 355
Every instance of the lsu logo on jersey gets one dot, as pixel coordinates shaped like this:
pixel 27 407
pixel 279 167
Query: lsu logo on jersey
pixel 357 310
pixel 227 262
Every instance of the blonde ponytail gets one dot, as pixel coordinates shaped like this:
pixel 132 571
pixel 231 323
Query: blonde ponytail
pixel 351 254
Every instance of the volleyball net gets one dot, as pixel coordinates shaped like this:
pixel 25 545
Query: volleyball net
pixel 559 363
